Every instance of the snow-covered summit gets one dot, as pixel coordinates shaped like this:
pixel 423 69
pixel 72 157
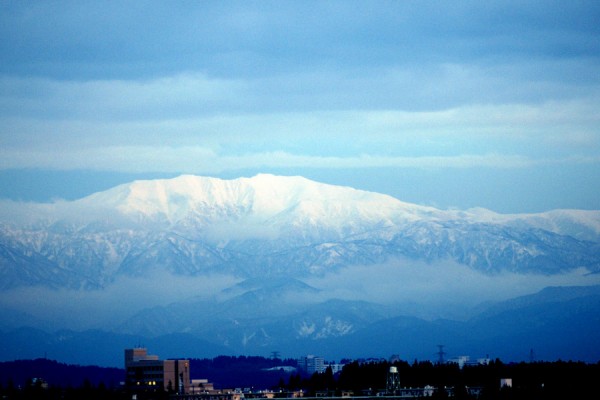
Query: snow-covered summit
pixel 264 197
pixel 279 204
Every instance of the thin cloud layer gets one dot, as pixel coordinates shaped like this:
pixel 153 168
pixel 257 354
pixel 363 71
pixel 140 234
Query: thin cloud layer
pixel 198 160
pixel 85 309
pixel 427 290
pixel 436 285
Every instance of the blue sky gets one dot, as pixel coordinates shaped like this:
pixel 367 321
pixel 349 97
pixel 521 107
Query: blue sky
pixel 451 104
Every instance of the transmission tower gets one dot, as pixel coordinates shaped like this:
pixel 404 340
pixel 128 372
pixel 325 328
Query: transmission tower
pixel 275 355
pixel 441 353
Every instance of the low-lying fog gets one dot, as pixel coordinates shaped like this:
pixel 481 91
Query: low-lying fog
pixel 427 290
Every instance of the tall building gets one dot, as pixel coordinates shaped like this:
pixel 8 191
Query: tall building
pixel 148 372
pixel 312 364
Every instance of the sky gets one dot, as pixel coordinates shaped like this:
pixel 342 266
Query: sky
pixel 455 104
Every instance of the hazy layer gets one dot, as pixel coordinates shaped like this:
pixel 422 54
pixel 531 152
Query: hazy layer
pixel 428 290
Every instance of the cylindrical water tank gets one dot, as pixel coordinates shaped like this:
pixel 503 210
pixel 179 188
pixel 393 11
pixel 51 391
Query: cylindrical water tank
pixel 393 370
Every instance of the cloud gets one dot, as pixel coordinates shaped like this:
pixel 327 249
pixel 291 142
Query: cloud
pixel 105 308
pixel 190 123
pixel 429 290
pixel 170 97
pixel 201 160
pixel 85 39
pixel 190 94
pixel 436 284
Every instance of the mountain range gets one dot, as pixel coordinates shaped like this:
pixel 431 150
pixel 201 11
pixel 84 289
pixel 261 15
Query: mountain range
pixel 253 265
pixel 275 226
pixel 555 323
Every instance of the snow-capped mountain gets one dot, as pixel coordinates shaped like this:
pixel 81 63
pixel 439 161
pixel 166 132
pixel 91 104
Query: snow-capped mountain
pixel 272 225
pixel 252 264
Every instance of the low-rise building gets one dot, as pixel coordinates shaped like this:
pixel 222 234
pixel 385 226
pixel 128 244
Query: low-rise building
pixel 148 372
pixel 466 360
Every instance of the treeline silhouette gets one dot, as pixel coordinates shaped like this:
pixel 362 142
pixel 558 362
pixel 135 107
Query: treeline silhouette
pixel 19 372
pixel 48 379
pixel 241 371
pixel 537 380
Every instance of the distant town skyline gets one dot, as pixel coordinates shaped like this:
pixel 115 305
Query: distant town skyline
pixel 450 104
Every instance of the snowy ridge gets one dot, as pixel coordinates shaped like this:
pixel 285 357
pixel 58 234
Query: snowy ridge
pixel 297 201
pixel 263 198
pixel 278 226
pixel 581 224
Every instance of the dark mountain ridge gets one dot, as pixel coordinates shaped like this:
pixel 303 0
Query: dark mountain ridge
pixel 565 328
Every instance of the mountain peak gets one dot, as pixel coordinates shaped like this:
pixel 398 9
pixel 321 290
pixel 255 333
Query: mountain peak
pixel 263 197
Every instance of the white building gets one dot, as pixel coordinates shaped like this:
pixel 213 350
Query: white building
pixel 466 360
pixel 312 364
pixel 335 368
